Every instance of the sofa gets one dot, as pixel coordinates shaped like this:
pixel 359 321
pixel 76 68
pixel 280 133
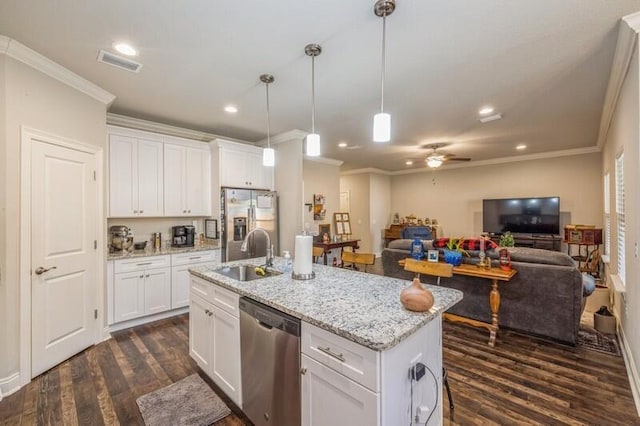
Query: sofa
pixel 544 298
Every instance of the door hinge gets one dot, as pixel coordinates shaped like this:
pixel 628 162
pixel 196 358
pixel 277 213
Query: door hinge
pixel 94 175
pixel 95 314
pixel 95 244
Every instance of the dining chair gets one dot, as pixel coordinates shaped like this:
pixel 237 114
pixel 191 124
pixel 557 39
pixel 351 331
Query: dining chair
pixel 353 259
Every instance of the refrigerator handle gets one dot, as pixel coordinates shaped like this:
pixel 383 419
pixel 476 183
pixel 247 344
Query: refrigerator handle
pixel 249 219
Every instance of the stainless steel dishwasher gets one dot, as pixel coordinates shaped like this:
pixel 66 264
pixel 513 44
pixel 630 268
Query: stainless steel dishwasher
pixel 270 357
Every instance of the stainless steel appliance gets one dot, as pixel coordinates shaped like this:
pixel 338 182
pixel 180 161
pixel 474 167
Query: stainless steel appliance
pixel 120 238
pixel 183 236
pixel 270 361
pixel 243 210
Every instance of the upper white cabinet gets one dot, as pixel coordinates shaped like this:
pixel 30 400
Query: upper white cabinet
pixel 157 175
pixel 241 166
pixel 135 176
pixel 187 180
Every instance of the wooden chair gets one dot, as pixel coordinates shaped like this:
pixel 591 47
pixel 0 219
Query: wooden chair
pixel 592 265
pixel 317 253
pixel 436 269
pixel 358 258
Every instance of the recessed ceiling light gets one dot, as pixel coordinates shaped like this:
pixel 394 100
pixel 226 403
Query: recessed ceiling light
pixel 485 110
pixel 342 144
pixel 489 118
pixel 231 109
pixel 521 147
pixel 408 162
pixel 125 49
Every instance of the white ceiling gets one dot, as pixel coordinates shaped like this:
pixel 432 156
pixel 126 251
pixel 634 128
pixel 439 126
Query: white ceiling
pixel 543 64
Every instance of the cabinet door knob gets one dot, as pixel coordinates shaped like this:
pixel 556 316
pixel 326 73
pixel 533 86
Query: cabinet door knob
pixel 206 311
pixel 189 211
pixel 142 276
pixel 135 211
pixel 184 211
pixel 141 211
pixel 303 370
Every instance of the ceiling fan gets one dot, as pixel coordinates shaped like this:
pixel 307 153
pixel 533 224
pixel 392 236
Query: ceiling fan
pixel 435 158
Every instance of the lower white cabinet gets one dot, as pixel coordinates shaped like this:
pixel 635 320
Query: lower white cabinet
pixel 140 293
pixel 329 398
pixel 180 276
pixel 214 336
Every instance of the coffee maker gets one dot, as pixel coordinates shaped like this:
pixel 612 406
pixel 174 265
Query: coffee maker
pixel 183 236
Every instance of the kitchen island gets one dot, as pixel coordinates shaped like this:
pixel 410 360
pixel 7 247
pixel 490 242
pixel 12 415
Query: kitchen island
pixel 358 344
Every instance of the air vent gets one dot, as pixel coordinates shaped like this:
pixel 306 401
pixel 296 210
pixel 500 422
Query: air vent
pixel 118 61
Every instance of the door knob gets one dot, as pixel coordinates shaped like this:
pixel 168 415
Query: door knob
pixel 40 270
pixel 303 371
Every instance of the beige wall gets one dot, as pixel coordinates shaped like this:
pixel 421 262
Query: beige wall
pixel 380 205
pixel 321 178
pixel 359 192
pixel 38 101
pixel 4 301
pixel 288 183
pixel 624 136
pixel 456 197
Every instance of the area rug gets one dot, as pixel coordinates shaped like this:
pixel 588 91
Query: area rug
pixel 188 402
pixel 592 339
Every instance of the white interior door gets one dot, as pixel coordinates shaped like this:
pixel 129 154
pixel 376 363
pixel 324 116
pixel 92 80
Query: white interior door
pixel 63 257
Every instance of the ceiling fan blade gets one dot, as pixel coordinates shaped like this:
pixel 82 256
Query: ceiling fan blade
pixel 457 159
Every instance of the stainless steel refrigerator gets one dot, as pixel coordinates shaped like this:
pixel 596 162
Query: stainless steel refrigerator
pixel 242 211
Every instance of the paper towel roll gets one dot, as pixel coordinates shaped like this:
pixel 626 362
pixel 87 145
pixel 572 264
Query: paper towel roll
pixel 303 254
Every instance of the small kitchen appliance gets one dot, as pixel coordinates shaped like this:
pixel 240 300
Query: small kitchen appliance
pixel 121 239
pixel 183 236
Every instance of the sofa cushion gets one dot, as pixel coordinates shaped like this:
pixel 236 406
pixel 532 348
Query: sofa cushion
pixel 412 232
pixel 405 244
pixel 547 257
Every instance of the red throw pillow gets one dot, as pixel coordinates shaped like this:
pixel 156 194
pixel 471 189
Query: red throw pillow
pixel 467 244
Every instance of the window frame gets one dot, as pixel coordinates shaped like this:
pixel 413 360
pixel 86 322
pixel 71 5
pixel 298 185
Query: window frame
pixel 620 217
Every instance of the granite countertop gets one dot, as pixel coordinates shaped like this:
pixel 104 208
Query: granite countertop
pixel 163 251
pixel 364 308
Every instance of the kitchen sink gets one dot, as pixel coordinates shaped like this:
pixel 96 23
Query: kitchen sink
pixel 245 272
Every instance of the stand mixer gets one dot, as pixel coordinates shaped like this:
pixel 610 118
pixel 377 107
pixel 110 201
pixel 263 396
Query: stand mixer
pixel 120 238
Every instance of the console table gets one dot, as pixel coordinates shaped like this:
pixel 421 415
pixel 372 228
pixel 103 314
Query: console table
pixel 493 274
pixel 327 247
pixel 550 242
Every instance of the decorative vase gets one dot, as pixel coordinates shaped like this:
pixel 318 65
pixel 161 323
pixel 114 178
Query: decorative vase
pixel 416 297
pixel 453 257
pixel 505 259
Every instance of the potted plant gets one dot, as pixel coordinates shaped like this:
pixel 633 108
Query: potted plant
pixel 454 251
pixel 506 240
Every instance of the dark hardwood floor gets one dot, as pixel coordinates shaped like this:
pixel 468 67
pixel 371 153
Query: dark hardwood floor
pixel 521 381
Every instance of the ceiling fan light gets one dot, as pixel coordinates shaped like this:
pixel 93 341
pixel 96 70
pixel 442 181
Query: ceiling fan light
pixel 268 157
pixel 434 162
pixel 382 127
pixel 313 145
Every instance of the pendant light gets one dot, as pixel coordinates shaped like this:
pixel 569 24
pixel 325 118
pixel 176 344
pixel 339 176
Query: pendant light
pixel 313 139
pixel 268 154
pixel 382 120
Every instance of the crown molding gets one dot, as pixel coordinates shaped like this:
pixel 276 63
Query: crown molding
pixel 367 170
pixel 35 60
pixel 503 160
pixel 165 129
pixel 294 135
pixel 625 48
pixel 324 160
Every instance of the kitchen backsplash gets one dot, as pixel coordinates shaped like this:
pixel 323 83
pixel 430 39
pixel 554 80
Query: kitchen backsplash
pixel 142 228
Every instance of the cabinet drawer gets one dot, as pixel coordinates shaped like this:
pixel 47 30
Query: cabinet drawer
pixel 354 361
pixel 226 300
pixel 195 257
pixel 142 263
pixel 202 288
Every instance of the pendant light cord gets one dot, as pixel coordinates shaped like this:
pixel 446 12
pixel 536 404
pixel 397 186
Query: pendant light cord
pixel 313 94
pixel 268 119
pixel 384 33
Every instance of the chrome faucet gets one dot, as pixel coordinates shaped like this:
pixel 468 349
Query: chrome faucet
pixel 243 247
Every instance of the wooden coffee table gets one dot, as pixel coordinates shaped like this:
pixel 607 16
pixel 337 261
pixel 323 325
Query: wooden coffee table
pixel 493 274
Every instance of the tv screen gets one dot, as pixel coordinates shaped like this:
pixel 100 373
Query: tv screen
pixel 522 216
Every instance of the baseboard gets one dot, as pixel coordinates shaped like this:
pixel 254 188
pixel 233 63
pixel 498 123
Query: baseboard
pixel 144 320
pixel 9 385
pixel 104 335
pixel 632 371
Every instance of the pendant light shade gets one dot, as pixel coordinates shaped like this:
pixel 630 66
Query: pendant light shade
pixel 382 120
pixel 313 139
pixel 268 153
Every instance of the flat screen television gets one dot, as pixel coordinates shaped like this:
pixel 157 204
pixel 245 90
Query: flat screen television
pixel 535 216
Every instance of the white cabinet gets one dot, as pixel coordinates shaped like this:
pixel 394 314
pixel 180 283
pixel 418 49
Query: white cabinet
pixel 187 180
pixel 241 167
pixel 180 264
pixel 214 335
pixel 135 177
pixel 141 286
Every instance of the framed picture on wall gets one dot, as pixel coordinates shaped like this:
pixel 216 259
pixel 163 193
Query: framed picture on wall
pixel 339 228
pixel 324 228
pixel 347 227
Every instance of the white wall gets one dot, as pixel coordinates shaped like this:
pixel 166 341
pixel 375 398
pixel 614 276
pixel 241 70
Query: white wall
pixel 38 101
pixel 359 188
pixel 288 181
pixel 4 300
pixel 380 210
pixel 321 178
pixel 624 136
pixel 456 197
